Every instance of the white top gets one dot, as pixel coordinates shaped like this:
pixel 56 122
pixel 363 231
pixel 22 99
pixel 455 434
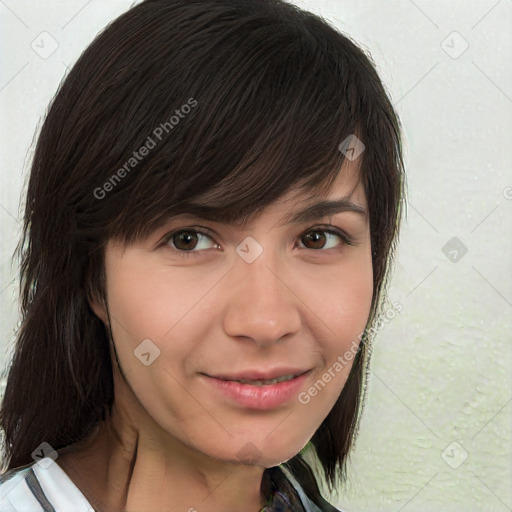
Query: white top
pixel 43 486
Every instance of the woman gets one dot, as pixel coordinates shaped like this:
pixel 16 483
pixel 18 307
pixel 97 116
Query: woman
pixel 211 215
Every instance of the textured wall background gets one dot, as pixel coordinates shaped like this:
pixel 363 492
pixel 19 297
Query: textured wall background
pixel 436 432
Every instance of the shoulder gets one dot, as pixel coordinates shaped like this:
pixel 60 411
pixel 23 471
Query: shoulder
pixel 42 486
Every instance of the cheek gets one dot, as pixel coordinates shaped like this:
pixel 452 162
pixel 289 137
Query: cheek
pixel 153 314
pixel 343 307
pixel 355 291
pixel 151 301
pixel 353 302
pixel 340 297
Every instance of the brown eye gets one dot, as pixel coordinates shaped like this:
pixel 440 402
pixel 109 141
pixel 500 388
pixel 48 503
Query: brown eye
pixel 324 239
pixel 184 240
pixel 316 239
pixel 189 242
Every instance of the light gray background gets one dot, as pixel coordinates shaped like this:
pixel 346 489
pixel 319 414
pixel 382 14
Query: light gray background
pixel 436 432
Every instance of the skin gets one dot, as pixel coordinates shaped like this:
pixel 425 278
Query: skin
pixel 173 442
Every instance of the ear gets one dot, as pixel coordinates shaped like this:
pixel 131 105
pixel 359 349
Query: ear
pixel 100 310
pixel 95 289
pixel 97 301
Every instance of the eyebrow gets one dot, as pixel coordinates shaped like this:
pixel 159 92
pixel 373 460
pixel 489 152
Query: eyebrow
pixel 323 209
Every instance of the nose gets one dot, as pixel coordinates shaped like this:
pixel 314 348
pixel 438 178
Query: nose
pixel 261 305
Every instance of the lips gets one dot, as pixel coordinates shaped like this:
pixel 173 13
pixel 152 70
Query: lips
pixel 266 382
pixel 257 392
pixel 262 378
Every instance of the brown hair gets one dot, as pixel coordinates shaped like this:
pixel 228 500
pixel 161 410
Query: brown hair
pixel 272 91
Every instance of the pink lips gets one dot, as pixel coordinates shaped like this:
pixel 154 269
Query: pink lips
pixel 266 396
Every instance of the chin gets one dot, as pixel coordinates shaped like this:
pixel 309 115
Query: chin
pixel 257 452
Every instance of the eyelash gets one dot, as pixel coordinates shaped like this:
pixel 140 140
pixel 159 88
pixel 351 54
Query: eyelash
pixel 165 242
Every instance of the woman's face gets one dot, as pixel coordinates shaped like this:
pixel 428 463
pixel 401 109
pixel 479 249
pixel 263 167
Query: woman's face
pixel 195 313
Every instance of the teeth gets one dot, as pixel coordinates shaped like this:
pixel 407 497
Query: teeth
pixel 267 381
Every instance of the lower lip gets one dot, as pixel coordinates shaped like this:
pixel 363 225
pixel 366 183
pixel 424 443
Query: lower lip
pixel 260 397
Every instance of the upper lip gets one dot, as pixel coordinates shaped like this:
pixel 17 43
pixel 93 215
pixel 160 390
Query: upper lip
pixel 261 374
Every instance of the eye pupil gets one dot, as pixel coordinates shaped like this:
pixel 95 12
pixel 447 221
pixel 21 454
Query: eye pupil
pixel 317 237
pixel 187 237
